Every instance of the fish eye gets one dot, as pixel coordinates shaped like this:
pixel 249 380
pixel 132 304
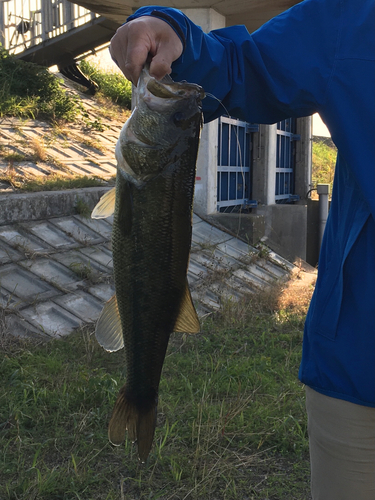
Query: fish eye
pixel 178 118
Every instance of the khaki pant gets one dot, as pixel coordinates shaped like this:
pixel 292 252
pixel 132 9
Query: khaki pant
pixel 342 448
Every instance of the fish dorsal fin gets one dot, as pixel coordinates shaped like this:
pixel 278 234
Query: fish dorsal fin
pixel 108 331
pixel 187 320
pixel 105 206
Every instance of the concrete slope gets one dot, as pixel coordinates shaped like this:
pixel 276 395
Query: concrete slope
pixel 56 267
pixel 56 273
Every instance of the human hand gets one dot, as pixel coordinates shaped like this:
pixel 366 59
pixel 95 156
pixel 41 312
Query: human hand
pixel 146 39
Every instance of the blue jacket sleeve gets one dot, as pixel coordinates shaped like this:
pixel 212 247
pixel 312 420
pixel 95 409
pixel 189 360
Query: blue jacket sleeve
pixel 265 76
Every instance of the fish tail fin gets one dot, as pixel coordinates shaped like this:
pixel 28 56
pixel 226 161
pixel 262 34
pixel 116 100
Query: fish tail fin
pixel 138 419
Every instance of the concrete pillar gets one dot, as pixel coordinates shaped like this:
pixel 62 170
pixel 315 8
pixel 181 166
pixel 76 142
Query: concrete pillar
pixel 264 164
pixel 303 150
pixel 206 180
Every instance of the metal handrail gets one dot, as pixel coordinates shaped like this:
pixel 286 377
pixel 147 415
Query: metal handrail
pixel 26 23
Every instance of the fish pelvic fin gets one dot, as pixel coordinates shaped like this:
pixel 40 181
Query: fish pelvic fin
pixel 105 206
pixel 138 419
pixel 108 331
pixel 187 320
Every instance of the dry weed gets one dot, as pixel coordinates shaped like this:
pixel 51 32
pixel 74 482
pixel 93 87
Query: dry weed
pixel 296 294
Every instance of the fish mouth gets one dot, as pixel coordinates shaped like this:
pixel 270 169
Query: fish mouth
pixel 167 89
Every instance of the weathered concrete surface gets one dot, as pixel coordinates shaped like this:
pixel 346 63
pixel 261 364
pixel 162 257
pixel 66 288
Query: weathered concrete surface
pixel 285 229
pixel 56 274
pixel 248 227
pixel 43 205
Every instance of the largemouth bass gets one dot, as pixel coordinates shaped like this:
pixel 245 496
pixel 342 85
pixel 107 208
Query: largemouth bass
pixel 156 155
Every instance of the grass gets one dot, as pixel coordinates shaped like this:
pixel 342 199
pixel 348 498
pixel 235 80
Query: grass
pixel 323 161
pixel 231 418
pixel 31 91
pixel 112 85
pixel 53 182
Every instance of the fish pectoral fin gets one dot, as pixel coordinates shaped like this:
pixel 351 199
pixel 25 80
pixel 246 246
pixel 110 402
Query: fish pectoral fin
pixel 105 206
pixel 108 331
pixel 138 420
pixel 187 320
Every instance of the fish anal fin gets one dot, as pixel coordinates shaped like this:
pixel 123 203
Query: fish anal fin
pixel 105 206
pixel 138 420
pixel 108 331
pixel 187 320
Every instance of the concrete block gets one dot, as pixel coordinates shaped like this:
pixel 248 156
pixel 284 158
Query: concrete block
pixel 241 286
pixel 100 226
pixel 275 272
pixel 102 291
pixel 8 301
pixel 81 265
pixel 209 299
pixel 197 269
pixel 87 167
pixel 100 254
pixel 81 304
pixel 237 249
pixel 192 279
pixel 286 228
pixel 196 218
pixel 210 261
pixel 19 327
pixel 80 232
pixel 51 234
pixel 36 206
pixel 23 241
pixel 55 273
pixel 253 277
pixel 51 318
pixel 8 254
pixel 24 284
pixel 206 234
pixel 249 227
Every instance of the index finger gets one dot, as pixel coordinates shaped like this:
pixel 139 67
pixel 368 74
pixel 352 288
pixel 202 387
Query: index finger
pixel 129 49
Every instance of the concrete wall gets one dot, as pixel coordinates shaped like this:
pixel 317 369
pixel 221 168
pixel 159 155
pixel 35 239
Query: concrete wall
pixel 264 164
pixel 281 227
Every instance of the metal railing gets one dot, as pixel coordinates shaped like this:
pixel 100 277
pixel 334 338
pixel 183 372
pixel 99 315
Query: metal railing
pixel 234 162
pixel 26 23
pixel 285 160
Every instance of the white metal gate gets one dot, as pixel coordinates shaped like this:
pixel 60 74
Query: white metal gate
pixel 285 160
pixel 234 163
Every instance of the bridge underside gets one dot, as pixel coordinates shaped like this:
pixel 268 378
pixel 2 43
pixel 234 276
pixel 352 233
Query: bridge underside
pixel 61 50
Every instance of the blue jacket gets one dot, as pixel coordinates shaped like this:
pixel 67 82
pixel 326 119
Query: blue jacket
pixel 316 57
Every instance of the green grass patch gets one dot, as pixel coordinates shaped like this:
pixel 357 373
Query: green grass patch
pixel 324 154
pixel 51 183
pixel 231 417
pixel 31 91
pixel 112 85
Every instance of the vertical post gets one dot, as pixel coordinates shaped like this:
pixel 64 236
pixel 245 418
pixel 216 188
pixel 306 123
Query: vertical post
pixel 264 164
pixel 2 24
pixel 323 192
pixel 303 164
pixel 68 14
